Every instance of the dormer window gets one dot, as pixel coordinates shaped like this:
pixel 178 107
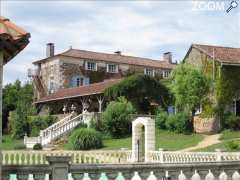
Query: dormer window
pixel 112 68
pixel 149 72
pixel 92 66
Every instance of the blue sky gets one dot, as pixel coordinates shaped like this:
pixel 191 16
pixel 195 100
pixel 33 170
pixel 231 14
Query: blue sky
pixel 139 28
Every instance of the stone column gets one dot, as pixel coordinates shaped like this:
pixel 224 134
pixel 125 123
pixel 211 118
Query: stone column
pixel 1 78
pixel 60 167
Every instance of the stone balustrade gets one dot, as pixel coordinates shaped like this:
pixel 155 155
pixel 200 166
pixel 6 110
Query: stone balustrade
pixel 78 157
pixel 61 168
pixel 192 157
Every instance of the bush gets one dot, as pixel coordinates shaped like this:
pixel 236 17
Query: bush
pixel 37 123
pixel 19 146
pixel 231 121
pixel 37 146
pixel 179 123
pixel 116 118
pixel 161 119
pixel 85 139
pixel 232 145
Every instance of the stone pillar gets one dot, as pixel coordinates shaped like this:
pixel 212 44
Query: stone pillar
pixel 1 78
pixel 60 167
pixel 149 127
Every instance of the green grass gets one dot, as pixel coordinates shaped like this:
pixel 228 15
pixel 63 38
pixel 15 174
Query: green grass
pixel 228 134
pixel 164 139
pixel 223 146
pixel 8 143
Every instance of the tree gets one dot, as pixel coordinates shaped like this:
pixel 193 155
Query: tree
pixel 141 90
pixel 116 118
pixel 189 86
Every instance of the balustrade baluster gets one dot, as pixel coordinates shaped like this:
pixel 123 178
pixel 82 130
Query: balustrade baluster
pixel 22 176
pixel 236 176
pixel 223 176
pixel 39 176
pixel 77 176
pixel 209 176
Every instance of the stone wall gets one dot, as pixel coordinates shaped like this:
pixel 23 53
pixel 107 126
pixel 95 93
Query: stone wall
pixel 206 125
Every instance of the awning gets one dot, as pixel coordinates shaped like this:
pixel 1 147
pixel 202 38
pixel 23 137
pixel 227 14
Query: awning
pixel 13 39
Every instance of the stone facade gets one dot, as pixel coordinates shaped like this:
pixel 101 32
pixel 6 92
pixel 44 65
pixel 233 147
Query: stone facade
pixel 206 125
pixel 59 71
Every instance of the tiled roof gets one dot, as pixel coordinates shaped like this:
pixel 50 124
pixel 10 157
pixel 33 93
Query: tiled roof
pixel 95 88
pixel 227 55
pixel 12 38
pixel 114 58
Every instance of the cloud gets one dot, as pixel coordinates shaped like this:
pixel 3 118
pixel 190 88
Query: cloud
pixel 145 28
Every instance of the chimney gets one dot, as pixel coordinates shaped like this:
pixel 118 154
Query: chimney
pixel 50 50
pixel 118 52
pixel 167 57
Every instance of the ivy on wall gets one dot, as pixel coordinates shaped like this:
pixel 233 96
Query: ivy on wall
pixel 228 85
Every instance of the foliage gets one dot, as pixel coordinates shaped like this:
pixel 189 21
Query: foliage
pixel 9 143
pixel 19 146
pixel 232 145
pixel 116 117
pixel 18 98
pixel 85 139
pixel 161 119
pixel 228 86
pixel 140 90
pixel 189 86
pixel 37 146
pixel 37 123
pixel 179 123
pixel 231 121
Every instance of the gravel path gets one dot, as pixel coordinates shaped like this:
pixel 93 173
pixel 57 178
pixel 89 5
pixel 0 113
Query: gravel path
pixel 207 141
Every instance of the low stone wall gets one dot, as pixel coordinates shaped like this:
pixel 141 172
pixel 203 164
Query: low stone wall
pixel 206 125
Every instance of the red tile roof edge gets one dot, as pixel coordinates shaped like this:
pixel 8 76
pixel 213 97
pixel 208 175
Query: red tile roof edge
pixel 92 89
pixel 138 60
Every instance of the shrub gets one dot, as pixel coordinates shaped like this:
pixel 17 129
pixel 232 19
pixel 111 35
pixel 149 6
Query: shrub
pixel 37 146
pixel 116 118
pixel 19 146
pixel 161 119
pixel 37 123
pixel 179 123
pixel 85 139
pixel 232 145
pixel 231 121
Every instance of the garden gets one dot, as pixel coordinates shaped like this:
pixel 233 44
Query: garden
pixel 137 94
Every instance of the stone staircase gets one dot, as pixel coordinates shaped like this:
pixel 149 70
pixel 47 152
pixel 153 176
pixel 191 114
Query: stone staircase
pixel 56 130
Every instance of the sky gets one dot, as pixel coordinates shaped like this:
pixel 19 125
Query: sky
pixel 138 28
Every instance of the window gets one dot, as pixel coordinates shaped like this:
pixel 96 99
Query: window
pixel 166 74
pixel 51 87
pixel 150 72
pixel 91 66
pixel 112 68
pixel 79 81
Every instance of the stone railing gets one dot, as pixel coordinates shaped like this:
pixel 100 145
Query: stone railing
pixel 78 157
pixel 61 168
pixel 192 157
pixel 54 131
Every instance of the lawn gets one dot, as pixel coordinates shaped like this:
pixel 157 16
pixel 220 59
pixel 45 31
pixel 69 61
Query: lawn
pixel 164 139
pixel 228 134
pixel 8 143
pixel 223 146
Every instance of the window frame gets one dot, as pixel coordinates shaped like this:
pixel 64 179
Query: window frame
pixel 116 68
pixel 90 69
pixel 152 72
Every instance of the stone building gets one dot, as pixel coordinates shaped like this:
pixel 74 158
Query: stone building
pixel 80 76
pixel 222 66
